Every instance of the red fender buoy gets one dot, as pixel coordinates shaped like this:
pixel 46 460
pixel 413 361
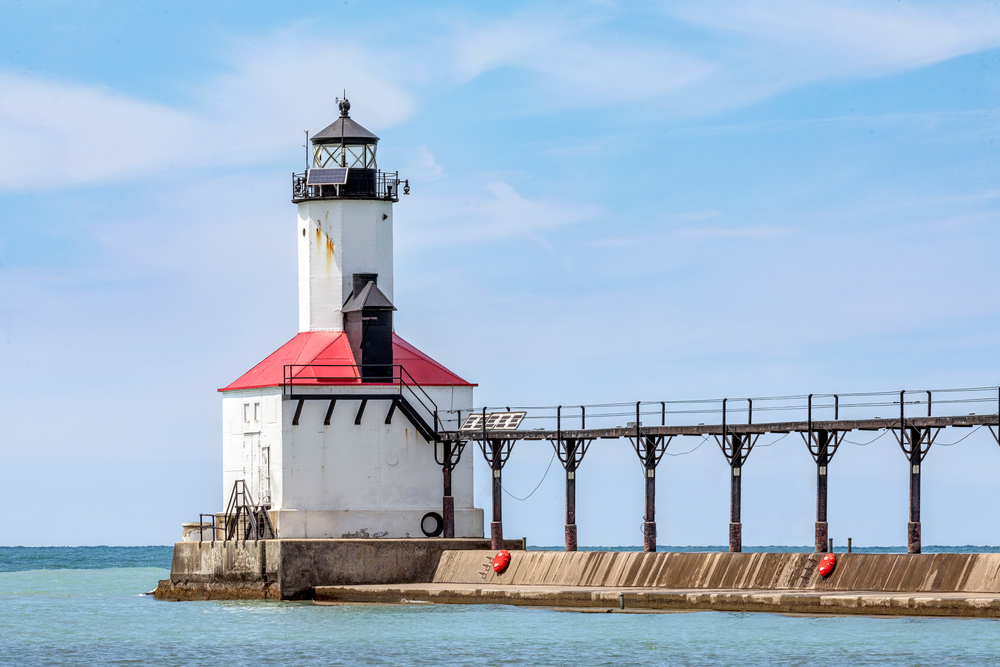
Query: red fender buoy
pixel 501 561
pixel 826 565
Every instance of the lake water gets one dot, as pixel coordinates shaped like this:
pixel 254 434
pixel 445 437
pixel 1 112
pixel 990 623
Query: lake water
pixel 84 606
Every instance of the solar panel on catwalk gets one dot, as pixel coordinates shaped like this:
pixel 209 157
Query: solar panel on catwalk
pixel 337 176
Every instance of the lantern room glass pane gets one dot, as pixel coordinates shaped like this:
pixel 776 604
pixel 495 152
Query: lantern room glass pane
pixel 355 156
pixel 326 156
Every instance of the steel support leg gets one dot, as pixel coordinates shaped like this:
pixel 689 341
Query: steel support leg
pixel 570 509
pixel 822 463
pixel 735 527
pixel 448 505
pixel 649 524
pixel 913 527
pixel 496 526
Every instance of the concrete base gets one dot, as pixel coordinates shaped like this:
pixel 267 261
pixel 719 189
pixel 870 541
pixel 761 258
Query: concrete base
pixel 570 537
pixel 290 569
pixel 913 537
pixel 649 536
pixel 496 535
pixel 735 537
pixel 822 535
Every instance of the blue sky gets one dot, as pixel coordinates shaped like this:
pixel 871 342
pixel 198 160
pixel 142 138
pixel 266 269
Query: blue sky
pixel 609 203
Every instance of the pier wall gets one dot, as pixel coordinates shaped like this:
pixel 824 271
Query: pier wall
pixel 917 573
pixel 961 585
pixel 290 569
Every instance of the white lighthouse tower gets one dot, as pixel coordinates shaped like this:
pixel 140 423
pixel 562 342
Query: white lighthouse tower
pixel 333 434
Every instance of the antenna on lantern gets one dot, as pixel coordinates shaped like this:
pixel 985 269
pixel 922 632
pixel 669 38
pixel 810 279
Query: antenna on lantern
pixel 306 146
pixel 344 107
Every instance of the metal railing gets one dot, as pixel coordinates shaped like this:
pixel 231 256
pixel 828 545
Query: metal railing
pixel 396 377
pixel 361 184
pixel 755 410
pixel 243 519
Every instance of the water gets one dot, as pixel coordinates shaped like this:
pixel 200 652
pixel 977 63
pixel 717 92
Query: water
pixel 85 606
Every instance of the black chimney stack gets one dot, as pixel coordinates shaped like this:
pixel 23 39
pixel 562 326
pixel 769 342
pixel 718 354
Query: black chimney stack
pixel 362 279
pixel 368 323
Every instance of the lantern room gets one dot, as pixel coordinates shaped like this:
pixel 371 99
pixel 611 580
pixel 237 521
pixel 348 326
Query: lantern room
pixel 344 143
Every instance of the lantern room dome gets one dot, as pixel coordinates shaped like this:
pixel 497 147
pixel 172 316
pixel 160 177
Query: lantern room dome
pixel 344 130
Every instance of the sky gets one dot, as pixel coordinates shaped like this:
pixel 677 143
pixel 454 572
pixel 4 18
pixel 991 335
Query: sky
pixel 609 203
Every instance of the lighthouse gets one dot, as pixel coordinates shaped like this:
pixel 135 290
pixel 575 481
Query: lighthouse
pixel 333 434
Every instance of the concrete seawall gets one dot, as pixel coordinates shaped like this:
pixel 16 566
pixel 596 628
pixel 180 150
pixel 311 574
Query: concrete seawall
pixel 459 572
pixel 951 573
pixel 875 584
pixel 290 569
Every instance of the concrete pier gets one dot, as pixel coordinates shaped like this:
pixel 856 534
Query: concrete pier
pixel 895 584
pixel 291 569
pixel 632 599
pixel 387 571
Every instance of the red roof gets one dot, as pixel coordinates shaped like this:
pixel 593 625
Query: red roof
pixel 324 357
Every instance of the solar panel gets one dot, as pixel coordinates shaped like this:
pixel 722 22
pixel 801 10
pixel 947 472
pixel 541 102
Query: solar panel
pixel 495 421
pixel 336 176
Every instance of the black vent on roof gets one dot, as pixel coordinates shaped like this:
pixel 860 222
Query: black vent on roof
pixel 368 323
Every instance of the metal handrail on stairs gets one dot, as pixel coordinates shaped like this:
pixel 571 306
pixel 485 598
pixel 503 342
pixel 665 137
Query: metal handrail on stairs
pixel 245 519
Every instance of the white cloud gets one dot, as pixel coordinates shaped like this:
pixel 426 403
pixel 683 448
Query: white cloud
pixel 580 64
pixel 766 47
pixel 71 133
pixel 425 167
pixel 820 39
pixel 286 81
pixel 67 133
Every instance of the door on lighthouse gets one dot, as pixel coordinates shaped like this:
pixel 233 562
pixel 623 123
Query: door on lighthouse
pixel 264 475
pixel 256 464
